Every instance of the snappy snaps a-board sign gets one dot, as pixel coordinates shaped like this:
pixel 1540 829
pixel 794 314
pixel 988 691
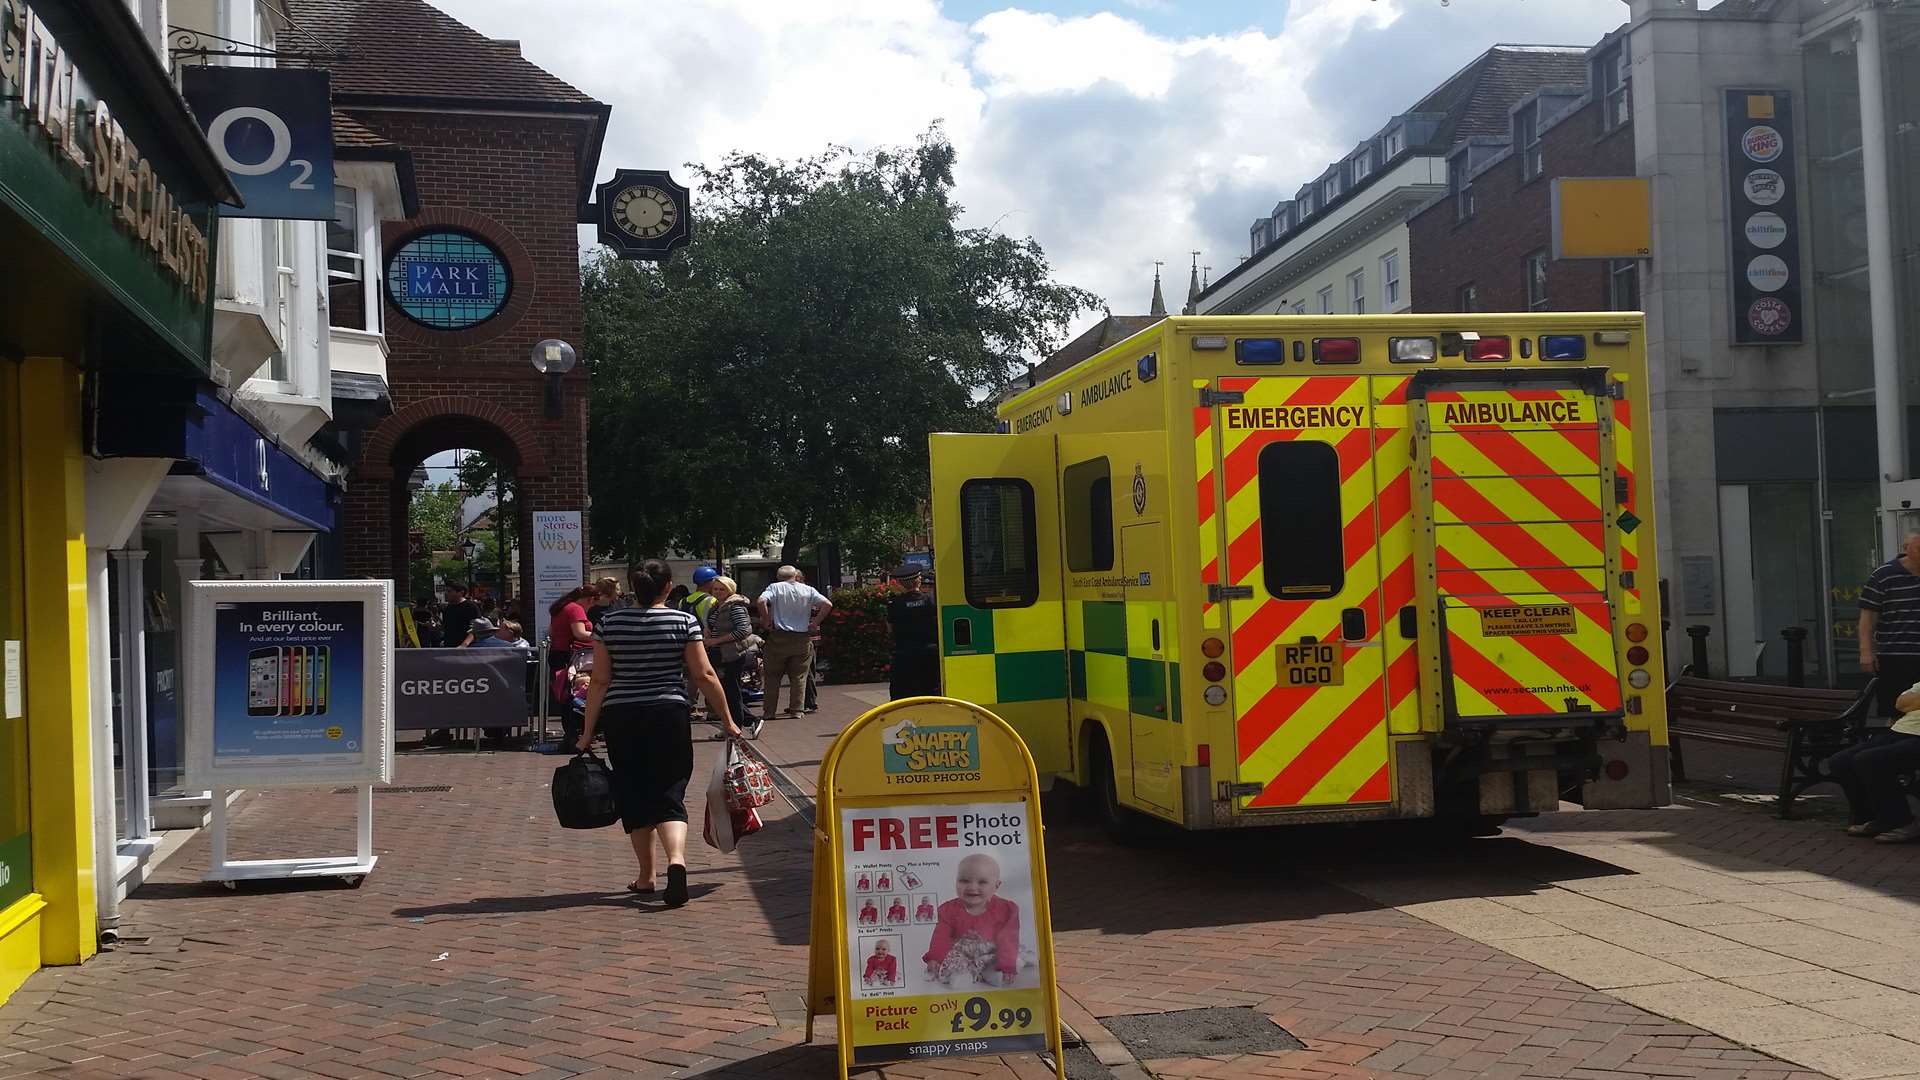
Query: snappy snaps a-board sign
pixel 931 934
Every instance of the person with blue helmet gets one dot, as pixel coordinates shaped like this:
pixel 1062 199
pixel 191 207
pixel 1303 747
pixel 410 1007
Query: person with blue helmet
pixel 699 603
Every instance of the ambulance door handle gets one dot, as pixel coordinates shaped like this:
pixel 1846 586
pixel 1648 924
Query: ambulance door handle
pixel 1353 624
pixel 1156 635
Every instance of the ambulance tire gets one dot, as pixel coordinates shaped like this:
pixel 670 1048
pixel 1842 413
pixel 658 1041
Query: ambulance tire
pixel 1122 825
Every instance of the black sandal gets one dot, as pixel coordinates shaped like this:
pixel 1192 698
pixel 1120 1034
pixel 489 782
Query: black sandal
pixel 634 887
pixel 676 885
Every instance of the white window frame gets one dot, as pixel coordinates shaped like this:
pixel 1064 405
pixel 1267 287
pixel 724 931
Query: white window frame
pixel 1326 300
pixel 1618 270
pixel 1395 142
pixel 1462 185
pixel 1536 270
pixel 1330 189
pixel 1532 154
pixel 1390 282
pixel 1357 292
pixel 1613 79
pixel 368 258
pixel 1363 164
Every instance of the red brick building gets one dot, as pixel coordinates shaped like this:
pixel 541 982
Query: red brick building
pixel 504 155
pixel 1486 243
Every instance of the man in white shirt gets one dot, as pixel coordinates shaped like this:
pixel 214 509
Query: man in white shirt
pixel 791 610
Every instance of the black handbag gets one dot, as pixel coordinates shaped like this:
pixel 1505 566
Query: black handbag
pixel 583 793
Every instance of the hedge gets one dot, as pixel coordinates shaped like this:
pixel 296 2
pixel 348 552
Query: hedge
pixel 856 643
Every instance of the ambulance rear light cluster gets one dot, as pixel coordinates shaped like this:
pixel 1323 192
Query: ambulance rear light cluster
pixel 1489 349
pixel 1336 350
pixel 1259 351
pixel 1413 350
pixel 1214 671
pixel 1563 347
pixel 1637 657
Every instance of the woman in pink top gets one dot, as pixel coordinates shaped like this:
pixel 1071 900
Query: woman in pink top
pixel 976 931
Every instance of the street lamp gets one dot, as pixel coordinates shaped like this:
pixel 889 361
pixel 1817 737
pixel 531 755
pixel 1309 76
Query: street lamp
pixel 553 358
pixel 467 548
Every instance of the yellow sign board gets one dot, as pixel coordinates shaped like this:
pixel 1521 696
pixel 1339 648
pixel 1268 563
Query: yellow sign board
pixel 1525 620
pixel 1312 663
pixel 1602 217
pixel 931 928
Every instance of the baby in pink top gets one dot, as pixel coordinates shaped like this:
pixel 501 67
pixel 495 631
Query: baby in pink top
pixel 976 932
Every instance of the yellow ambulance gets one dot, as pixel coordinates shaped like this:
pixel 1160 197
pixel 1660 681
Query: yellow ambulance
pixel 1250 570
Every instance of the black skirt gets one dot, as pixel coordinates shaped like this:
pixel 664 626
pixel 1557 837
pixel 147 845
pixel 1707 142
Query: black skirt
pixel 650 746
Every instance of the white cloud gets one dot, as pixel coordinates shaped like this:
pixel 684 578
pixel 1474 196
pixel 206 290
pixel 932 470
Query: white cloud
pixel 1112 144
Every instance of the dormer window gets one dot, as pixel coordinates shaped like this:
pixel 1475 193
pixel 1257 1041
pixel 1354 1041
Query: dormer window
pixel 1395 142
pixel 1612 68
pixel 1363 164
pixel 1526 135
pixel 1330 189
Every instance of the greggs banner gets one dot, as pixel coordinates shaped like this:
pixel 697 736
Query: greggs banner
pixel 931 935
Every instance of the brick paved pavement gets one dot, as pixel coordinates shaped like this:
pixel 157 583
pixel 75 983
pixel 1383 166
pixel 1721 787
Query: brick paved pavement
pixel 489 943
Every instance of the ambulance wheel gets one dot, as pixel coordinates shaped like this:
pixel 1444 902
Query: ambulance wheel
pixel 1122 825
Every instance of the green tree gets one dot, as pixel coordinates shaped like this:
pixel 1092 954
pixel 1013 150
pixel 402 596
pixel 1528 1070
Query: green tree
pixel 781 373
pixel 434 511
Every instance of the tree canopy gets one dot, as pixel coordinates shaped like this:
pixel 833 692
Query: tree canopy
pixel 781 373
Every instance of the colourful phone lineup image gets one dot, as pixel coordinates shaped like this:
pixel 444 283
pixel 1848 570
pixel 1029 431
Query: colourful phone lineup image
pixel 299 680
pixel 286 682
pixel 322 688
pixel 263 682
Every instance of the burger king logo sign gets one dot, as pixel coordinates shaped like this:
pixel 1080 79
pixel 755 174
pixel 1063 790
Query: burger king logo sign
pixel 1762 143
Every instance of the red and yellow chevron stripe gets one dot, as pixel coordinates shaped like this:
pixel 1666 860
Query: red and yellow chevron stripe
pixel 1520 516
pixel 1324 745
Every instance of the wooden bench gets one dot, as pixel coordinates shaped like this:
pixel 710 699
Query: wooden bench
pixel 1806 725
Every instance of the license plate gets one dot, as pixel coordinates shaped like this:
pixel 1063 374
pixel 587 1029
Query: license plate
pixel 1313 663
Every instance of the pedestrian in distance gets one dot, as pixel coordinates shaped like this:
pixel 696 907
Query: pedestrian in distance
pixel 728 625
pixel 458 616
pixel 504 636
pixel 480 629
pixel 700 600
pixel 568 629
pixel 915 670
pixel 638 698
pixel 606 597
pixel 1890 625
pixel 791 610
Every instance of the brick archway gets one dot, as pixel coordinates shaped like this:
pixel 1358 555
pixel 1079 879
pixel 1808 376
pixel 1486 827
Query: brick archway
pixel 377 462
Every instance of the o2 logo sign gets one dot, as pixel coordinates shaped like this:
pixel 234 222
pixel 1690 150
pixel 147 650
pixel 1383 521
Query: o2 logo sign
pixel 272 130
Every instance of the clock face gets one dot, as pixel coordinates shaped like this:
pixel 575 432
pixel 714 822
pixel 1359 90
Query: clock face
pixel 645 213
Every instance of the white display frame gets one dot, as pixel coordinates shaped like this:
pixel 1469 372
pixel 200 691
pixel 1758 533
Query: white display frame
pixel 371 764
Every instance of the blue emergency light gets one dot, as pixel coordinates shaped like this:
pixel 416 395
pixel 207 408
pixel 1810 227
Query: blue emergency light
pixel 1259 351
pixel 1563 347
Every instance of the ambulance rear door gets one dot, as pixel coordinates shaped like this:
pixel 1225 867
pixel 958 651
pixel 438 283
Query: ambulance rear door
pixel 1514 474
pixel 1301 588
pixel 996 537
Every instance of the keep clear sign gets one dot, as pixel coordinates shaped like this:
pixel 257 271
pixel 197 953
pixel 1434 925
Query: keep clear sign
pixel 931 934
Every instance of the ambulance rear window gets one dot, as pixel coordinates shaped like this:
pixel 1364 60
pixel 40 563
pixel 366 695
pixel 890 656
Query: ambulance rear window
pixel 1300 522
pixel 997 543
pixel 1089 517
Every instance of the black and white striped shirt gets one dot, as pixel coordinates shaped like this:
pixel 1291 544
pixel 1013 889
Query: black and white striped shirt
pixel 1894 594
pixel 648 647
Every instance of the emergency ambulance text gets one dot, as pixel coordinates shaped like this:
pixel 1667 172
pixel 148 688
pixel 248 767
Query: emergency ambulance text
pixel 937 831
pixel 1295 416
pixel 1555 411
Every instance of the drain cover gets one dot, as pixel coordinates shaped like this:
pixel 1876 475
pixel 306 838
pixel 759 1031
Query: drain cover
pixel 1199 1033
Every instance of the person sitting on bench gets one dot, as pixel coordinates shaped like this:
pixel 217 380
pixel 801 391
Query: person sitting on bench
pixel 1870 774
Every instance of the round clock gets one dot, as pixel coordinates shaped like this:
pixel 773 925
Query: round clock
pixel 645 213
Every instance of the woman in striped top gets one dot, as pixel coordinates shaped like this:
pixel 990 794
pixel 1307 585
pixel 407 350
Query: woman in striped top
pixel 638 698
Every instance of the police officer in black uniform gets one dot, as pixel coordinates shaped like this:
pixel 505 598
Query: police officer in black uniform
pixel 916 637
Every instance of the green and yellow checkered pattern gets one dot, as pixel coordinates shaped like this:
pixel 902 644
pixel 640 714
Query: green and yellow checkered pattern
pixel 1003 654
pixel 1110 658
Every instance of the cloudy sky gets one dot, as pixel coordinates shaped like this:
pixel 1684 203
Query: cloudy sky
pixel 1116 132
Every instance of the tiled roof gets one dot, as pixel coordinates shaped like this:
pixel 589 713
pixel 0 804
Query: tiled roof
pixel 1475 101
pixel 410 49
pixel 350 134
pixel 1104 334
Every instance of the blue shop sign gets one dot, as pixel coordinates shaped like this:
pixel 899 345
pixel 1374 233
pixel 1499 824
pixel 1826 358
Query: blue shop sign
pixel 448 280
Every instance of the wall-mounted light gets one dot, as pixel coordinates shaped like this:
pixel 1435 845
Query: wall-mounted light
pixel 553 358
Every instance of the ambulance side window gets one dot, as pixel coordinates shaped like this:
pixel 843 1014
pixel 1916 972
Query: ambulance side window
pixel 1300 520
pixel 998 544
pixel 1089 524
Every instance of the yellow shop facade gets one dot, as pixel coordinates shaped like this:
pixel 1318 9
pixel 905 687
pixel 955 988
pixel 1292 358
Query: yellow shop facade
pixel 107 213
